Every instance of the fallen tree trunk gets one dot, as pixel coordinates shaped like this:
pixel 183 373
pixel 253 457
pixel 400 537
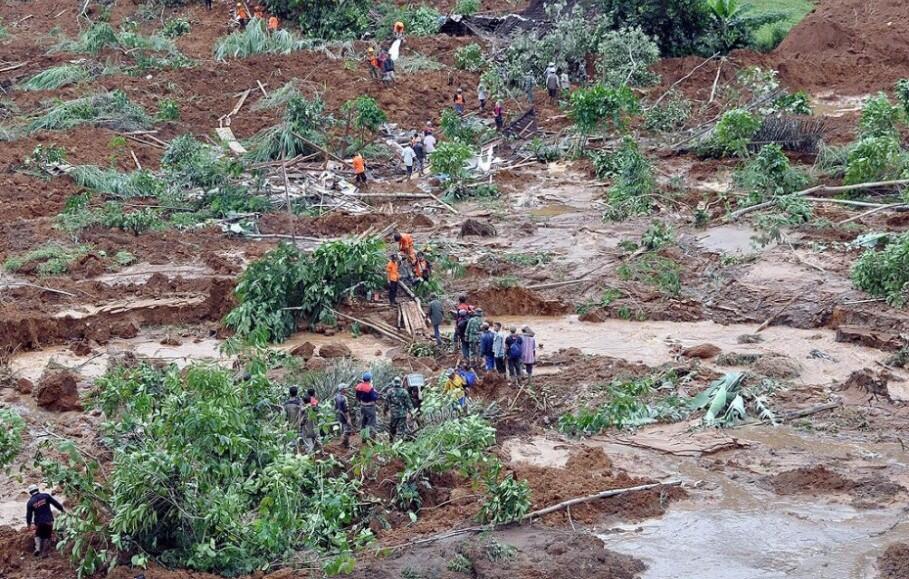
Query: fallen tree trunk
pixel 600 495
pixel 819 189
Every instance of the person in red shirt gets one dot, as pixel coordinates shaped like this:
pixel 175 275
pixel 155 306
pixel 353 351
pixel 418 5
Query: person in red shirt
pixel 359 168
pixel 393 276
pixel 406 246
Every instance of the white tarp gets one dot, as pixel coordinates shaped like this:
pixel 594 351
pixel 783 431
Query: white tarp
pixel 395 49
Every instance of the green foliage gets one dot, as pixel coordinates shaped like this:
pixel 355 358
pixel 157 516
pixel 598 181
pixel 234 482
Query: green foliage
pixel 885 273
pixel 732 134
pixel 543 151
pixel 466 130
pixel 607 297
pixel 880 118
pixel 11 428
pixel 875 159
pixel 788 211
pixel 797 103
pixel 460 564
pixel 727 401
pixel 49 259
pixel 364 114
pixel 255 39
pixel 470 58
pixel 168 110
pixel 670 115
pixel 733 24
pixel 112 110
pixel 654 270
pixel 631 403
pixel 769 174
pixel 190 163
pixel 419 20
pixel 146 52
pixel 658 235
pixel 902 95
pixel 507 500
pixel 124 258
pixel 112 182
pixel 448 161
pixel 304 120
pixel 135 222
pixel 592 108
pixel 326 19
pixel 416 62
pixel 44 158
pixel 312 284
pixel 633 181
pixel 677 25
pixel 467 7
pixel 625 57
pixel 175 27
pixel 56 77
pixel 93 40
pixel 181 439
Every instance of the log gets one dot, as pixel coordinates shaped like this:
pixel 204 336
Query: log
pixel 818 189
pixel 369 325
pixel 290 209
pixel 872 212
pixel 600 495
pixel 810 411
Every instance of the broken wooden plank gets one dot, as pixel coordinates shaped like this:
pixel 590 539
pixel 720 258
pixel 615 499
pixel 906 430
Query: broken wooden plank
pixel 227 136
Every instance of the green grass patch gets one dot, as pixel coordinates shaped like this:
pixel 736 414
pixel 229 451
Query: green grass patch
pixel 796 10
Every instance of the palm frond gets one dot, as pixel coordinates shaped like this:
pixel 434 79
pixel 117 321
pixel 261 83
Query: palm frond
pixel 56 77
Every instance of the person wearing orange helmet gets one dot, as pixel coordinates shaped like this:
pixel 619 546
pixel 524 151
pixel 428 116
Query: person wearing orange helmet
pixel 273 23
pixel 399 29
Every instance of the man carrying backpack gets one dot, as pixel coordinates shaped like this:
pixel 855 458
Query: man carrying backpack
pixel 514 349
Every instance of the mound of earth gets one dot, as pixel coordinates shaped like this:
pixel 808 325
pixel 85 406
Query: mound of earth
pixel 894 563
pixel 852 46
pixel 57 391
pixel 515 301
pixel 813 480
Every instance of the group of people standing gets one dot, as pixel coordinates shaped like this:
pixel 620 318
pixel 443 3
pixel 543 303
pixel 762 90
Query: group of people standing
pixel 407 265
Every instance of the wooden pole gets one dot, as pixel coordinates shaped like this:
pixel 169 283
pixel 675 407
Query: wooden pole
pixel 290 211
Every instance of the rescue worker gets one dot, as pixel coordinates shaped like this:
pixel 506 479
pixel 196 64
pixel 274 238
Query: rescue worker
pixel 498 348
pixel 481 96
pixel 436 317
pixel 293 411
pixel 454 387
pixel 473 333
pixel 399 405
pixel 242 15
pixel 393 276
pixel 417 145
pixel 388 68
pixel 367 396
pixel 553 87
pixel 309 432
pixel 259 12
pixel 462 316
pixel 406 246
pixel 459 102
pixel 273 23
pixel 422 268
pixel 499 114
pixel 359 169
pixel 398 29
pixel 514 351
pixel 38 510
pixel 374 67
pixel 409 156
pixel 429 143
pixel 342 414
pixel 529 83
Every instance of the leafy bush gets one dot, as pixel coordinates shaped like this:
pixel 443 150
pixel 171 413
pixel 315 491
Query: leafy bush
pixel 658 234
pixel 416 62
pixel 654 270
pixel 311 284
pixel 633 182
pixel 11 428
pixel 732 134
pixel 136 222
pixel 732 24
pixel 885 273
pixel 326 19
pixel 467 7
pixel 467 130
pixel 875 159
pixel 677 25
pixel 788 211
pixel 625 57
pixel 112 110
pixel 56 77
pixel 769 174
pixel 592 108
pixel 797 103
pixel 135 184
pixel 181 439
pixel 507 500
pixel 470 58
pixel 168 110
pixel 364 114
pixel 671 115
pixel 255 39
pixel 300 132
pixel 419 20
pixel 190 163
pixel 902 94
pixel 93 40
pixel 448 161
pixel 175 27
pixel 49 259
pixel 879 118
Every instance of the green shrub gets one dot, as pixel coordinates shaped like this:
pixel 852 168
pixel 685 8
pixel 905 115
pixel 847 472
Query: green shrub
pixel 255 39
pixel 507 500
pixel 467 130
pixel 769 174
pixel 175 27
pixel 732 134
pixel 56 77
pixel 670 115
pixel 590 109
pixel 654 270
pixel 625 56
pixel 658 235
pixel 733 24
pixel 112 110
pixel 798 103
pixel 470 58
pixel 875 159
pixel 677 25
pixel 364 114
pixel 448 162
pixel 633 182
pixel 885 273
pixel 467 7
pixel 135 222
pixel 168 110
pixel 300 132
pixel 12 426
pixel 902 95
pixel 326 19
pixel 49 259
pixel 112 182
pixel 880 118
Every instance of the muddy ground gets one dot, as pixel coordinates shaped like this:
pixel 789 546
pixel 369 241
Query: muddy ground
pixel 821 494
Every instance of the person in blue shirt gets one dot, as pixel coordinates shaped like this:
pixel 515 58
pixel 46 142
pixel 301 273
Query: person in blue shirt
pixel 487 339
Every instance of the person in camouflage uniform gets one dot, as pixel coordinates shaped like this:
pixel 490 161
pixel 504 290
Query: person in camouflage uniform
pixel 399 405
pixel 473 333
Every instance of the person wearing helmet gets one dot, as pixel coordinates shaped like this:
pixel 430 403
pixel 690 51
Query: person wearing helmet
pixel 399 405
pixel 242 15
pixel 367 396
pixel 399 29
pixel 342 413
pixel 38 510
pixel 374 66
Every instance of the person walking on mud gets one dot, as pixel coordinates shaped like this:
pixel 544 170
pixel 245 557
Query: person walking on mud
pixel 38 510
pixel 498 347
pixel 417 144
pixel 529 83
pixel 399 405
pixel 436 317
pixel 514 350
pixel 342 414
pixel 367 396
pixel 529 355
pixel 499 114
pixel 459 102
pixel 553 86
pixel 481 96
pixel 409 156
pixel 393 277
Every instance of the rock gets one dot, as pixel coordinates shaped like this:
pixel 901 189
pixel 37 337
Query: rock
pixel 57 391
pixel 24 386
pixel 779 367
pixel 702 351
pixel 427 362
pixel 880 339
pixel 171 340
pixel 330 351
pixel 125 330
pixel 80 348
pixel 306 350
pixel 316 363
pixel 477 228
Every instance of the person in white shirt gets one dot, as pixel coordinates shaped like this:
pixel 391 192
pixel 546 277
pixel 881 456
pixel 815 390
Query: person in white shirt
pixel 409 155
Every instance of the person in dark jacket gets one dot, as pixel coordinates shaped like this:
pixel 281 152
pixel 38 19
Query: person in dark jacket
pixel 420 151
pixel 436 317
pixel 514 352
pixel 38 510
pixel 367 396
pixel 487 339
pixel 342 413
